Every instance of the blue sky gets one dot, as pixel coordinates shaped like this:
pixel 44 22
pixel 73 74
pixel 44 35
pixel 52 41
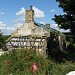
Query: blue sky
pixel 12 13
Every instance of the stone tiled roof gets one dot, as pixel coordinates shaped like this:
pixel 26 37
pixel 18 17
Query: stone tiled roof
pixel 54 31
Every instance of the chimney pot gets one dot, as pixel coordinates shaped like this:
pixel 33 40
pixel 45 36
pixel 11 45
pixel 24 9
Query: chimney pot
pixel 31 7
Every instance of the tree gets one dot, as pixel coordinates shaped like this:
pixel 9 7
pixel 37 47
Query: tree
pixel 2 41
pixel 67 20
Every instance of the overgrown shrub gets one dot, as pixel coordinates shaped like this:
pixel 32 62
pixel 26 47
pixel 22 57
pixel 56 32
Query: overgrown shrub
pixel 3 41
pixel 71 51
pixel 19 62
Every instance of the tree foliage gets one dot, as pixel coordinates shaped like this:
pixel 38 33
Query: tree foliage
pixel 2 41
pixel 67 20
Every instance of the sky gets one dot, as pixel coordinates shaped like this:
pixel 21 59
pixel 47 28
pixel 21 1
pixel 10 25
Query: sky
pixel 12 13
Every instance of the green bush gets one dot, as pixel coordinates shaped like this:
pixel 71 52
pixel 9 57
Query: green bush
pixel 71 51
pixel 3 41
pixel 19 62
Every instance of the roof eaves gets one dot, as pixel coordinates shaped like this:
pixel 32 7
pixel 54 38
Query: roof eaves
pixel 51 29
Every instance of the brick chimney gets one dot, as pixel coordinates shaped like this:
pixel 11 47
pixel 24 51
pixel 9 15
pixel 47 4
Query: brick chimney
pixel 48 25
pixel 29 15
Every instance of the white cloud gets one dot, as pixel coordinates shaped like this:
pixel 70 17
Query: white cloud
pixel 2 24
pixel 52 10
pixel 62 30
pixel 21 12
pixel 21 16
pixel 38 13
pixel 6 29
pixel 42 23
pixel 55 25
pixel 10 28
